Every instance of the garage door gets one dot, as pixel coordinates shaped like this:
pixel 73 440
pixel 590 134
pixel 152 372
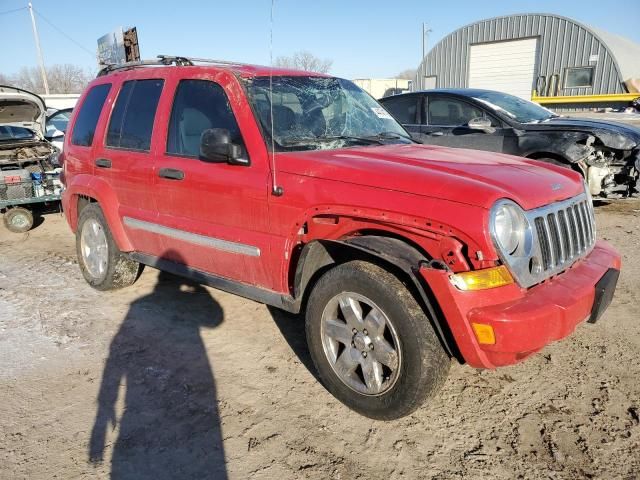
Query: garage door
pixel 504 66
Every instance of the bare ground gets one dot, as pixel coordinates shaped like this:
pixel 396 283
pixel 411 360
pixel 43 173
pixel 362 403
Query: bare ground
pixel 172 380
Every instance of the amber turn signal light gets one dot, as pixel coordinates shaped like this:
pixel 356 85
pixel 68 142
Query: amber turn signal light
pixel 484 333
pixel 482 279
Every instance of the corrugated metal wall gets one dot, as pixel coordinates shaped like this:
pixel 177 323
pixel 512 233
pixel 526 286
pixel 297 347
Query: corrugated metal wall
pixel 562 43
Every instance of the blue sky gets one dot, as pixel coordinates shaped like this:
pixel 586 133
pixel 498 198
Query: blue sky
pixel 363 38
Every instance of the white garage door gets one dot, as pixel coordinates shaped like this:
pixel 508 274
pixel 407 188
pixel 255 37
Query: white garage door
pixel 504 66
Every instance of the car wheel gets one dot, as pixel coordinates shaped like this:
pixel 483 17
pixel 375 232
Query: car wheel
pixel 372 344
pixel 103 265
pixel 18 220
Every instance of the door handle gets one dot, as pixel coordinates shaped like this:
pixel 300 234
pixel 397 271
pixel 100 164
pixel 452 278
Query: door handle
pixel 103 163
pixel 171 173
pixel 436 134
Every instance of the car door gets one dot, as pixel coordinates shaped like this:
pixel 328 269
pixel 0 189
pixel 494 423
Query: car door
pixel 405 109
pixel 445 122
pixel 213 216
pixel 124 158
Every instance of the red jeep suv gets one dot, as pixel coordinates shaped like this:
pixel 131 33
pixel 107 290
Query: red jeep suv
pixel 298 190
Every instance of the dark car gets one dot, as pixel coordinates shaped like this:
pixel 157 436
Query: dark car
pixel 607 154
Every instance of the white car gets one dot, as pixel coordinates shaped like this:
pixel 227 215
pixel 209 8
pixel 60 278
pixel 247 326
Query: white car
pixel 56 126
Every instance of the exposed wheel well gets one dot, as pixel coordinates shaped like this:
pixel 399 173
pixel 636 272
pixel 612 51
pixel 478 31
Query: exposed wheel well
pixel 83 201
pixel 393 254
pixel 555 159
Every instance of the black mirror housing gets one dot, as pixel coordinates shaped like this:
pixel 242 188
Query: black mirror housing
pixel 216 147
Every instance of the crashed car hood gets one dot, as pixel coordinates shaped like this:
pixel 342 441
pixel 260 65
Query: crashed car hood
pixel 612 134
pixel 465 176
pixel 20 108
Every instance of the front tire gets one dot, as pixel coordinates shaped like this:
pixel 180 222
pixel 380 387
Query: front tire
pixel 372 344
pixel 102 264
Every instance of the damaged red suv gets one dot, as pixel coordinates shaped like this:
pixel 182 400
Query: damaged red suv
pixel 298 190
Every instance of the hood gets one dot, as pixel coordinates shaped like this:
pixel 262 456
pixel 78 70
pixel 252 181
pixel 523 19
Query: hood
pixel 465 176
pixel 21 108
pixel 612 134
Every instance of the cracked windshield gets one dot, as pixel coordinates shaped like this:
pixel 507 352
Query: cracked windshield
pixel 320 113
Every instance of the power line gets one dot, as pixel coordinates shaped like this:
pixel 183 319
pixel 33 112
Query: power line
pixel 61 32
pixel 6 12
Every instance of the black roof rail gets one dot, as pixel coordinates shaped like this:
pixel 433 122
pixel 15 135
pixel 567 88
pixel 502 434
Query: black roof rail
pixel 163 60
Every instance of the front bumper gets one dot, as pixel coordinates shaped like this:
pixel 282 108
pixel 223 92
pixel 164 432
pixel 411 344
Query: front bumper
pixel 525 320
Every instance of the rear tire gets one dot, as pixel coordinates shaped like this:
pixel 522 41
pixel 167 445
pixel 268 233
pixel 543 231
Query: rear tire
pixel 102 264
pixel 18 220
pixel 384 374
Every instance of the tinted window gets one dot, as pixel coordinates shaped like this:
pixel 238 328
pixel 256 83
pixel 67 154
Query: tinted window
pixel 85 126
pixel 199 105
pixel 132 119
pixel 451 112
pixel 403 108
pixel 578 77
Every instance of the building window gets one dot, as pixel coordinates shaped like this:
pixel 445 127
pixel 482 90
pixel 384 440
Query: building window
pixel 578 77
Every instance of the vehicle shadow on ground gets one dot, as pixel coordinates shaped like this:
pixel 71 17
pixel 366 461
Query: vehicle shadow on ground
pixel 292 329
pixel 169 427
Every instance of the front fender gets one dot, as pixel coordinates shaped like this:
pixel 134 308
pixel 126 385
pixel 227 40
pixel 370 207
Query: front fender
pixel 98 190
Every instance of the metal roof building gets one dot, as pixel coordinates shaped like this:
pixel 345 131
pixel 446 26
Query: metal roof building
pixel 553 55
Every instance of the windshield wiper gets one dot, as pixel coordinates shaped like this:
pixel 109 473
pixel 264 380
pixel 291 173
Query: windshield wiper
pixel 378 139
pixel 367 139
pixel 328 138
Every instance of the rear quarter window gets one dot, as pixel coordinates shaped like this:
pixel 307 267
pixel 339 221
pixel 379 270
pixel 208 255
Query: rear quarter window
pixel 84 127
pixel 131 123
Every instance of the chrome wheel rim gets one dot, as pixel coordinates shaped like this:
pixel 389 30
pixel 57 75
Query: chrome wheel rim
pixel 361 344
pixel 94 248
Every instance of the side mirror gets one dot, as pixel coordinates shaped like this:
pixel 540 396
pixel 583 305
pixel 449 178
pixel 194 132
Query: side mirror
pixel 216 147
pixel 482 124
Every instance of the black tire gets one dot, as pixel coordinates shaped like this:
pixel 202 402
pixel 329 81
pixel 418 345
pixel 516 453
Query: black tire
pixel 120 270
pixel 18 220
pixel 425 364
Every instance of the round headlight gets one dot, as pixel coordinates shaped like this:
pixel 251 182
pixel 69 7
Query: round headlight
pixel 508 226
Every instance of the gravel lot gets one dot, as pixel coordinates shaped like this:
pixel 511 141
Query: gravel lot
pixel 168 380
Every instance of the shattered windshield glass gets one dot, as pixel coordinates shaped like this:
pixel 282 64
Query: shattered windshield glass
pixel 319 113
pixel 517 108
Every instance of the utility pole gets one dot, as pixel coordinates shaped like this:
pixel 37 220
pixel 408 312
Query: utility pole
pixel 423 72
pixel 39 50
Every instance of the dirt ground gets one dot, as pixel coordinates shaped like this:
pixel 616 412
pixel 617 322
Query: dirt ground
pixel 168 380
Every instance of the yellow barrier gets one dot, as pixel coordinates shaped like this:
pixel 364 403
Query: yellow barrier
pixel 612 97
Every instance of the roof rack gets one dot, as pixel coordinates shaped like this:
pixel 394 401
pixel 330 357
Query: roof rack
pixel 163 60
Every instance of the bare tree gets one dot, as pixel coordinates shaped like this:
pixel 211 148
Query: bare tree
pixel 304 60
pixel 4 79
pixel 408 74
pixel 67 78
pixel 64 78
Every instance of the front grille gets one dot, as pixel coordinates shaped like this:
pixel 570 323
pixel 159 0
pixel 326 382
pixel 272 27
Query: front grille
pixel 565 234
pixel 561 234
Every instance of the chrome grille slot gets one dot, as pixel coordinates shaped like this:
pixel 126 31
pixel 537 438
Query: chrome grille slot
pixel 581 233
pixel 545 248
pixel 561 234
pixel 563 228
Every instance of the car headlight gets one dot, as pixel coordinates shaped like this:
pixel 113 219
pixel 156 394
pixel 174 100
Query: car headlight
pixel 509 227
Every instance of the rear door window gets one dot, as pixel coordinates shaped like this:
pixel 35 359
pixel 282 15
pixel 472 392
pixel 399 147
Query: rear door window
pixel 85 125
pixel 131 123
pixel 198 106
